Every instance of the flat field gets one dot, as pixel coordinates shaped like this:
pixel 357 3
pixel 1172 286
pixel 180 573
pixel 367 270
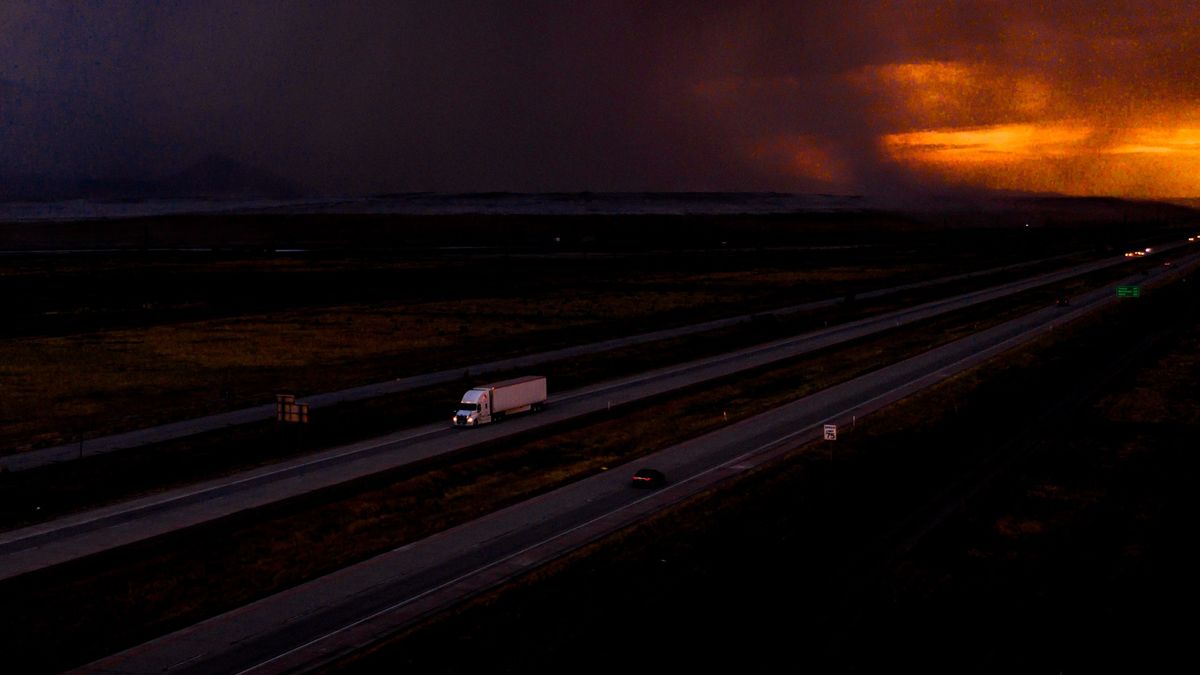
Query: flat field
pixel 552 298
pixel 1029 516
pixel 109 340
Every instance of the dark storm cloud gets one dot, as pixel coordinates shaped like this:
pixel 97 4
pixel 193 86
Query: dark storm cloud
pixel 371 97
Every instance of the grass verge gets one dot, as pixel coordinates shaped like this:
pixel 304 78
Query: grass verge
pixel 131 594
pixel 42 494
pixel 109 345
pixel 215 334
pixel 769 569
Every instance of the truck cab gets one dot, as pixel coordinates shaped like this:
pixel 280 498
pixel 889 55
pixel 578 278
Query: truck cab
pixel 474 409
pixel 494 402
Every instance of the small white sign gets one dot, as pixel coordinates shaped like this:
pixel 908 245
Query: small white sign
pixel 831 432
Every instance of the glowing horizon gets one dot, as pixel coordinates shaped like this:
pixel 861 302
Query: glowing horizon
pixel 989 124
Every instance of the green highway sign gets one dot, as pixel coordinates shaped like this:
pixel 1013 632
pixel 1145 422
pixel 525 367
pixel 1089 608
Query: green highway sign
pixel 1129 291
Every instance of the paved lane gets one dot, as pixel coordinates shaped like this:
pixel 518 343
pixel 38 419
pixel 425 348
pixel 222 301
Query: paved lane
pixel 316 622
pixel 165 432
pixel 94 531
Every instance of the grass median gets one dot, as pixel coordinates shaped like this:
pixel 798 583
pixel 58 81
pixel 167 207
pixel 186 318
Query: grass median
pixel 214 334
pixel 45 493
pixel 119 598
pixel 103 343
pixel 781 564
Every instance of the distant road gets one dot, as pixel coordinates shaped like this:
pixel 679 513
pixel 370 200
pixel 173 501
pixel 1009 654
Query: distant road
pixel 101 529
pixel 322 620
pixel 165 432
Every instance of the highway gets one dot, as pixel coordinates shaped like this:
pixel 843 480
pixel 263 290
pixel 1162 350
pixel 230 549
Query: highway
pixel 324 619
pixel 183 428
pixel 43 545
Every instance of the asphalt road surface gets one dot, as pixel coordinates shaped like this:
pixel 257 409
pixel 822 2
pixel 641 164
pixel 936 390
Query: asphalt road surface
pixel 165 432
pixel 334 615
pixel 70 537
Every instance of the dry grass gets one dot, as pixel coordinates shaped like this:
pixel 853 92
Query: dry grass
pixel 57 388
pixel 61 489
pixel 166 371
pixel 1163 393
pixel 151 587
pixel 989 592
pixel 131 594
pixel 110 343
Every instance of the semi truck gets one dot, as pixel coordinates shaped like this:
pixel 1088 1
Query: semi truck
pixel 493 402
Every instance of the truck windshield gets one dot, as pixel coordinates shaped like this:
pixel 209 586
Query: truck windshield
pixel 474 407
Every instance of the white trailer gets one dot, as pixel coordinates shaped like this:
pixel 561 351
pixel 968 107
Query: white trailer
pixel 493 402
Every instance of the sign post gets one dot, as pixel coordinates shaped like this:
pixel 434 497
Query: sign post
pixel 1129 291
pixel 831 435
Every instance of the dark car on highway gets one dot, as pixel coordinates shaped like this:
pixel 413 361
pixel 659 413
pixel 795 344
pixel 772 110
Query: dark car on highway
pixel 649 478
pixel 1062 302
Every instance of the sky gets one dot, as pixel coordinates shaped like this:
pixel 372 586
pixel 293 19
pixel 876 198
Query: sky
pixel 1097 97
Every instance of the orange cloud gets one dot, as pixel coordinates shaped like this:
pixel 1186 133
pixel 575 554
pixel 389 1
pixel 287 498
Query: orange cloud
pixel 936 93
pixel 1065 157
pixel 988 145
pixel 979 124
pixel 1181 141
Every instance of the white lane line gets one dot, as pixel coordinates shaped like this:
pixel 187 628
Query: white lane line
pixel 194 493
pixel 446 375
pixel 527 549
pixel 186 661
pixel 734 463
pixel 869 323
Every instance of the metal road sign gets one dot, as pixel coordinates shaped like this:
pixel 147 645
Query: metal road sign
pixel 1129 291
pixel 294 413
pixel 289 411
pixel 831 432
